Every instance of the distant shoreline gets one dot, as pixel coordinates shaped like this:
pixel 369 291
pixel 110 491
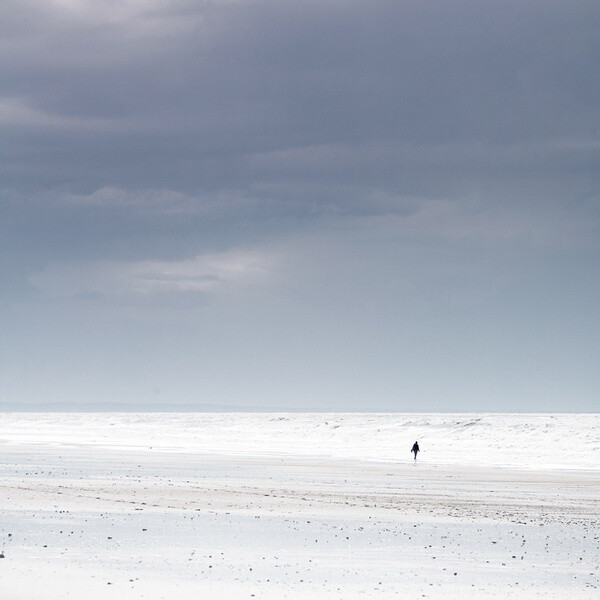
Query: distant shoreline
pixel 209 408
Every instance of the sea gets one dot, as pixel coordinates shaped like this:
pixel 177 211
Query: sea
pixel 526 441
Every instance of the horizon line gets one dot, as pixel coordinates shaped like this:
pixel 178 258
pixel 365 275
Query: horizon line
pixel 230 409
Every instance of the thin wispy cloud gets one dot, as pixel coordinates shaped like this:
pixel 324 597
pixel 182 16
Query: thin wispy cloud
pixel 204 275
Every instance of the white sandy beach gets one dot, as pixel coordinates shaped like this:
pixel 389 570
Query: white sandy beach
pixel 127 521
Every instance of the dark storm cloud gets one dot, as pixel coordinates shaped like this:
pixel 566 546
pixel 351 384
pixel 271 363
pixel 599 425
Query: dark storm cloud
pixel 413 98
pixel 248 118
pixel 184 95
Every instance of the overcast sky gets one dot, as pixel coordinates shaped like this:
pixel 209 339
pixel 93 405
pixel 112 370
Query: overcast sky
pixel 383 205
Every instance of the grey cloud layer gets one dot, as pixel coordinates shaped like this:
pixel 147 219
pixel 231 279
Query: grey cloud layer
pixel 186 94
pixel 297 108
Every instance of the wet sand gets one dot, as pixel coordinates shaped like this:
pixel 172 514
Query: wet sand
pixel 158 524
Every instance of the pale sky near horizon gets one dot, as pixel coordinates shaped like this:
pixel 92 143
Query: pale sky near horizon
pixel 383 205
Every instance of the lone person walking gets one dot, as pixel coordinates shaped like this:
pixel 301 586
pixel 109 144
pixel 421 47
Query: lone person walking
pixel 415 449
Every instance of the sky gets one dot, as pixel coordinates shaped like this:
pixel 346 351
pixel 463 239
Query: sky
pixel 310 205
